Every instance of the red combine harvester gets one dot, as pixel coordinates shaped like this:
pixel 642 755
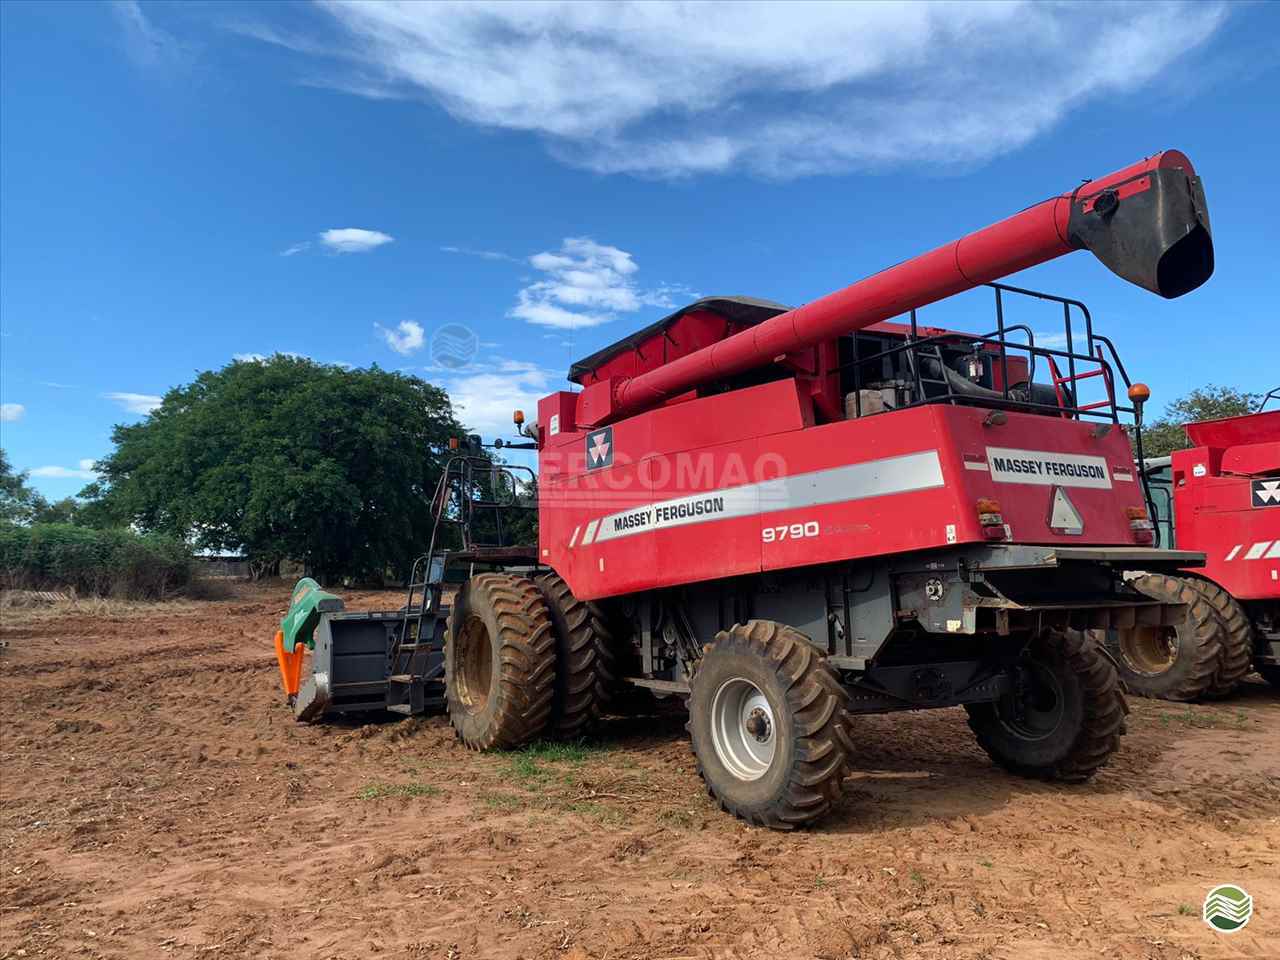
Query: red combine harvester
pixel 791 516
pixel 1222 497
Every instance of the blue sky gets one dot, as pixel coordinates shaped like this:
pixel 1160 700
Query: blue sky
pixel 181 184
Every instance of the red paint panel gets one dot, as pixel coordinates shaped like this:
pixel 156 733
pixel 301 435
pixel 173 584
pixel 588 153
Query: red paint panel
pixel 1215 514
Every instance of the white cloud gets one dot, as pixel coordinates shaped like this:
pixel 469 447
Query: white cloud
pixel 585 284
pixel 353 240
pixel 135 402
pixel 406 338
pixel 249 357
pixel 289 251
pixel 85 471
pixel 780 89
pixel 146 43
pixel 484 402
pixel 1053 341
pixel 11 412
pixel 482 254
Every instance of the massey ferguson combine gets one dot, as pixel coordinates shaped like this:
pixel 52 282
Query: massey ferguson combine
pixel 792 516
pixel 1221 496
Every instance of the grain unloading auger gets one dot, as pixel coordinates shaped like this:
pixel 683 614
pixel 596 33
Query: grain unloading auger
pixel 791 516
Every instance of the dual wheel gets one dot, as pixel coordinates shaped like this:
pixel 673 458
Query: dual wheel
pixel 1204 655
pixel 524 659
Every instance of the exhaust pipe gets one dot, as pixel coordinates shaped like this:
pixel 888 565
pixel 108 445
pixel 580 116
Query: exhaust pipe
pixel 1148 223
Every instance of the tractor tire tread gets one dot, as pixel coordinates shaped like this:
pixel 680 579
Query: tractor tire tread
pixel 1236 638
pixel 819 705
pixel 526 659
pixel 584 642
pixel 1105 712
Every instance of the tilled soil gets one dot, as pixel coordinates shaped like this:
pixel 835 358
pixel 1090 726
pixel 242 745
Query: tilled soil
pixel 160 801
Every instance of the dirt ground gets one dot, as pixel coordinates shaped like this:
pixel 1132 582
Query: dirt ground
pixel 158 800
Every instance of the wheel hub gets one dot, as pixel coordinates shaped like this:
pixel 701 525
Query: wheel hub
pixel 1149 651
pixel 1036 706
pixel 743 729
pixel 759 725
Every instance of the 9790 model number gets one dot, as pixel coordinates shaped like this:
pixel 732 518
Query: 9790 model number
pixel 790 531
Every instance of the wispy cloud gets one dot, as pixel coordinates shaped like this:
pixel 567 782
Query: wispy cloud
pixel 341 240
pixel 585 284
pixel 142 403
pixel 85 471
pixel 354 240
pixel 12 412
pixel 780 89
pixel 147 44
pixel 482 254
pixel 405 339
pixel 56 385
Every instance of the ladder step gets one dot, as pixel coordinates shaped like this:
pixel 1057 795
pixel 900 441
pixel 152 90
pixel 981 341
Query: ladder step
pixel 404 708
pixel 402 678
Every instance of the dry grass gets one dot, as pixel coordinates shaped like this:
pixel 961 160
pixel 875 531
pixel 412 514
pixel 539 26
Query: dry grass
pixel 31 606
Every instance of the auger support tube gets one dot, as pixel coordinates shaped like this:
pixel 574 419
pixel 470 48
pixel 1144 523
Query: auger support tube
pixel 1148 223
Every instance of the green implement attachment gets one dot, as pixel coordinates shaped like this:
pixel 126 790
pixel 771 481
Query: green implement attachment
pixel 305 606
pixel 360 662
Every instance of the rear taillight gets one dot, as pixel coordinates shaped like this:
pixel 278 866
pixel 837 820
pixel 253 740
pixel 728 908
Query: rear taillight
pixel 991 519
pixel 1143 529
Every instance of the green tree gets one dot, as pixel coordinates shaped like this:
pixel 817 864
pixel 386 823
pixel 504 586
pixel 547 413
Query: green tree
pixel 1162 436
pixel 18 502
pixel 287 459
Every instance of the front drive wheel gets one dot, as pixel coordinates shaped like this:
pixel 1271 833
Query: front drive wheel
pixel 1064 717
pixel 1176 662
pixel 499 662
pixel 768 724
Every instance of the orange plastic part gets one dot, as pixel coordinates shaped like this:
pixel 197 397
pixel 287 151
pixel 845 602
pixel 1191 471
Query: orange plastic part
pixel 290 665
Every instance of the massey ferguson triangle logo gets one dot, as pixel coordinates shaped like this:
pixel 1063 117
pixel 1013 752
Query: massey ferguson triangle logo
pixel 1266 493
pixel 600 448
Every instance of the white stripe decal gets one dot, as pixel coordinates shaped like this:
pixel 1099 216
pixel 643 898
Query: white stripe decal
pixel 1257 550
pixel 974 465
pixel 1274 552
pixel 578 529
pixel 1121 475
pixel 1230 556
pixel 855 481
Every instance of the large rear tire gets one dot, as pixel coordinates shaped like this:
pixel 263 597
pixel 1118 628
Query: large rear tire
pixel 1235 637
pixel 768 723
pixel 1070 715
pixel 1178 662
pixel 499 662
pixel 583 644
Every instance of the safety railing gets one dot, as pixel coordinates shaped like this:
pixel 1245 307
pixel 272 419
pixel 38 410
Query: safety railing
pixel 1097 359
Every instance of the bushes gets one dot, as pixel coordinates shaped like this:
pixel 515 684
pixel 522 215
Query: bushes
pixel 116 563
